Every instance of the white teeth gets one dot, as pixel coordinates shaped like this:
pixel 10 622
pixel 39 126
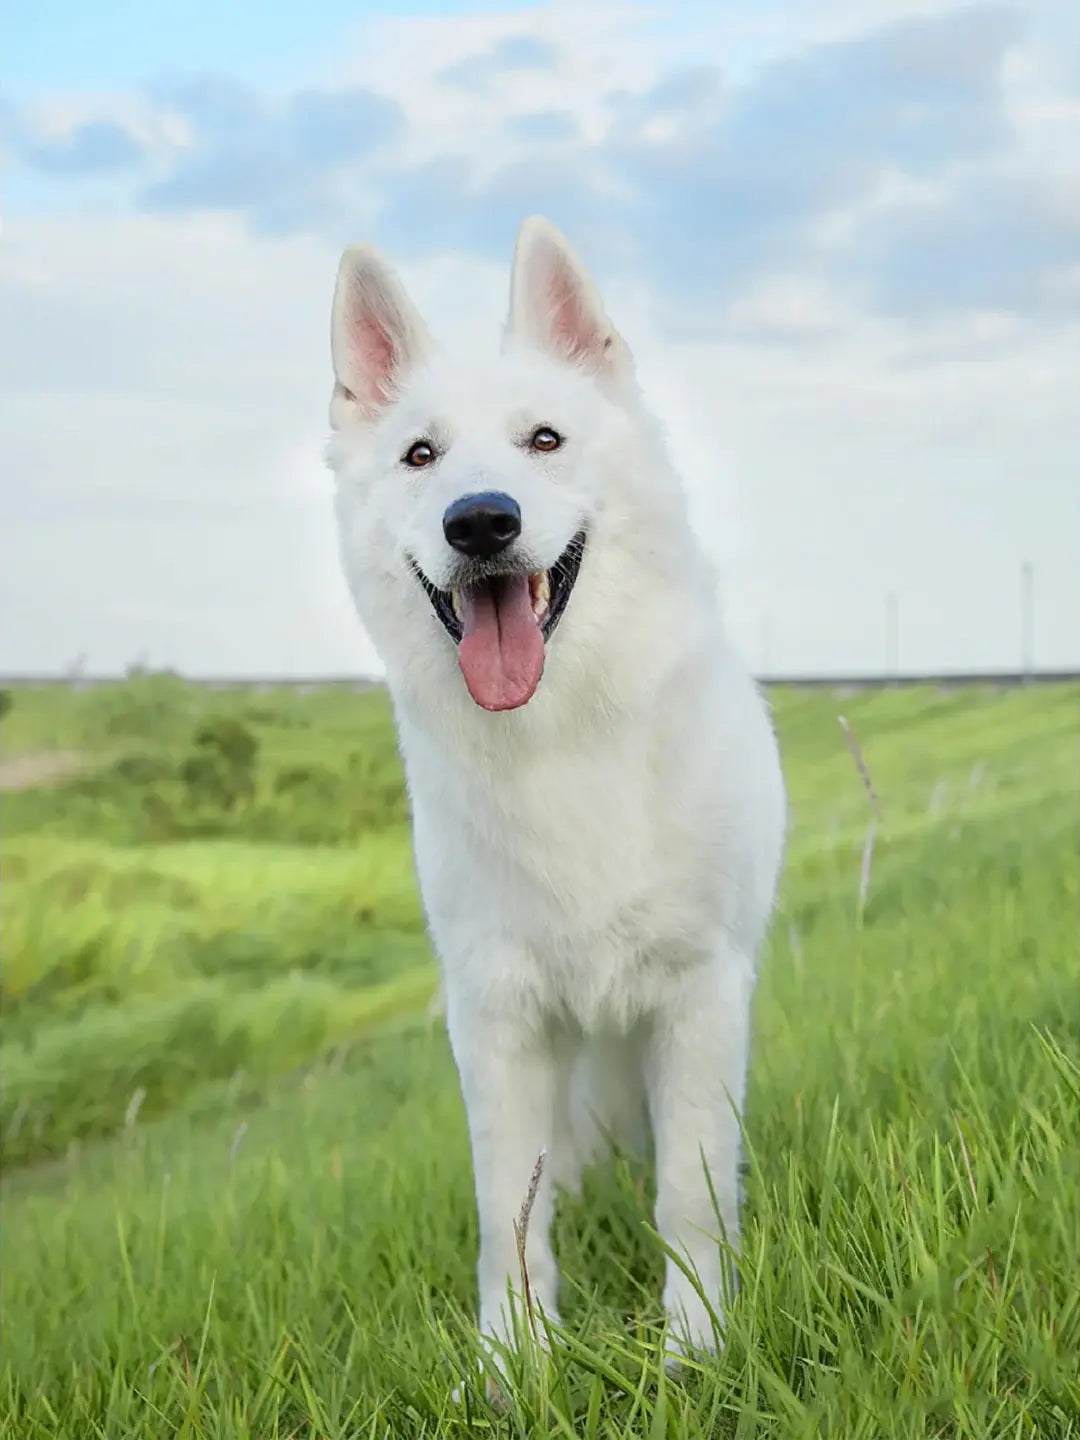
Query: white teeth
pixel 540 592
pixel 455 601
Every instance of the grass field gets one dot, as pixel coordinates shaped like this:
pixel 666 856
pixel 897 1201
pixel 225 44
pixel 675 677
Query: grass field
pixel 237 1198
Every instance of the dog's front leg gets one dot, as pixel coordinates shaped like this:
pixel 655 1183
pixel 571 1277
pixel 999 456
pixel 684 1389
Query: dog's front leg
pixel 696 1062
pixel 508 1081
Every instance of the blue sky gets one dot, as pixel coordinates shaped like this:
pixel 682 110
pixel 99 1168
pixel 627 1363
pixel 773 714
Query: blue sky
pixel 844 242
pixel 68 45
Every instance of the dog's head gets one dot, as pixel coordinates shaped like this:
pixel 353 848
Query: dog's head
pixel 468 500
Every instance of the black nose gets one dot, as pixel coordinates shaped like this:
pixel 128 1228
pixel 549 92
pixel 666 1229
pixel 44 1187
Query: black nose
pixel 480 526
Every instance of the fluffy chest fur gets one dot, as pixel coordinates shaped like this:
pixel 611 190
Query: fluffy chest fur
pixel 579 872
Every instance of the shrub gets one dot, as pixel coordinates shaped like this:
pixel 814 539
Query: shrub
pixel 220 772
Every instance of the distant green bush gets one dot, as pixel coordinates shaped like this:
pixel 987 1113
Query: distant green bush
pixel 176 761
pixel 158 707
pixel 220 770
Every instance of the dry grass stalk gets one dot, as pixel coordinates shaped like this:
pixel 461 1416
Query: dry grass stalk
pixel 864 868
pixel 861 765
pixel 241 1131
pixel 134 1105
pixel 875 814
pixel 521 1233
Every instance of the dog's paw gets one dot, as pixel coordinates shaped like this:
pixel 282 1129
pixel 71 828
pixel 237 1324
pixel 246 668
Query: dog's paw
pixel 492 1386
pixel 495 1340
pixel 514 1328
pixel 695 1329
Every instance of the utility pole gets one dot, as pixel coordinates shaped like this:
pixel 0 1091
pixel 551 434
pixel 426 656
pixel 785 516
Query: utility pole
pixel 892 635
pixel 1027 606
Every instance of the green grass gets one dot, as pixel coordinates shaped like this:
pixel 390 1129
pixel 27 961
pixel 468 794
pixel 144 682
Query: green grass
pixel 281 1241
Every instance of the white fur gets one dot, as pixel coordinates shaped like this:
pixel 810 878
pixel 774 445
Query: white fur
pixel 598 866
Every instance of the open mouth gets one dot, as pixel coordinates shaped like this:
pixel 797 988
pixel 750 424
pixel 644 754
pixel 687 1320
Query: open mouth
pixel 549 590
pixel 501 622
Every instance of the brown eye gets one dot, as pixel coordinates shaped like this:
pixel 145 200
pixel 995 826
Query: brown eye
pixel 545 439
pixel 419 455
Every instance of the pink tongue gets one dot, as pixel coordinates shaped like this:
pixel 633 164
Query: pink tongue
pixel 502 649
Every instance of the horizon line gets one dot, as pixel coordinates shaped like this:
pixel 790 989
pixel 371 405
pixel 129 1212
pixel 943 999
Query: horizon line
pixel 794 678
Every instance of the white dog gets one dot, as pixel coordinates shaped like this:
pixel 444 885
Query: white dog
pixel 598 807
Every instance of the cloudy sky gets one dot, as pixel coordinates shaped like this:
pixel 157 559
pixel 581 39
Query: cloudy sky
pixel 843 239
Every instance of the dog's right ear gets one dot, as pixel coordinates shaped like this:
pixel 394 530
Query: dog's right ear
pixel 376 336
pixel 555 307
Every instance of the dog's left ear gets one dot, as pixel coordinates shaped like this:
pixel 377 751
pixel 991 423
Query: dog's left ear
pixel 555 307
pixel 376 336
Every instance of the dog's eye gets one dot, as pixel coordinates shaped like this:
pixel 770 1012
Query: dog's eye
pixel 418 455
pixel 545 439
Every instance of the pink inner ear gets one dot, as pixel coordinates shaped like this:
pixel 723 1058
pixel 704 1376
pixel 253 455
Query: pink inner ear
pixel 375 351
pixel 573 329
